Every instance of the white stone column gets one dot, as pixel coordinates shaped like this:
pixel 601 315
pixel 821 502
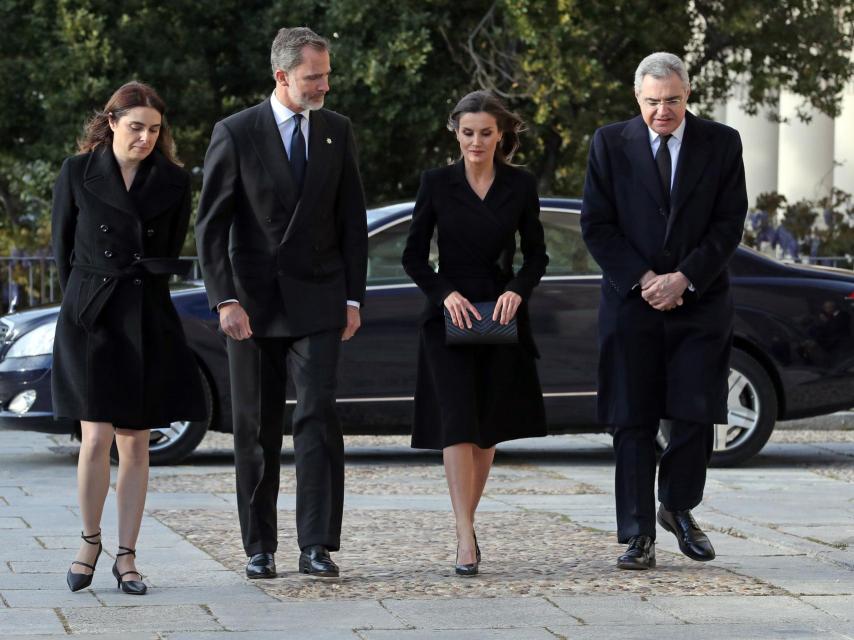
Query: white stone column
pixel 805 157
pixel 843 144
pixel 759 137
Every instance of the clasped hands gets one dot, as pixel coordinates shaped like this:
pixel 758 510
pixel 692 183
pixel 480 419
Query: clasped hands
pixel 461 310
pixel 663 291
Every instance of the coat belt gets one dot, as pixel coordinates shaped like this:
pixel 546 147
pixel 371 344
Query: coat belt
pixel 146 267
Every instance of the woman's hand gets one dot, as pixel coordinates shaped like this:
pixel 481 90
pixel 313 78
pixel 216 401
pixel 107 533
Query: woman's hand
pixel 506 307
pixel 460 308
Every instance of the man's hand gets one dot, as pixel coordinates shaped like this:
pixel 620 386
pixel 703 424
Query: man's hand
pixel 646 278
pixel 506 307
pixel 664 292
pixel 354 321
pixel 234 321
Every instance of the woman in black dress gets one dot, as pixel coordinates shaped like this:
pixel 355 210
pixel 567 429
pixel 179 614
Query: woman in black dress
pixel 120 361
pixel 468 398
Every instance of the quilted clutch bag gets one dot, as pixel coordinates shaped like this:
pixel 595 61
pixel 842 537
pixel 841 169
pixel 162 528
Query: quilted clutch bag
pixel 485 331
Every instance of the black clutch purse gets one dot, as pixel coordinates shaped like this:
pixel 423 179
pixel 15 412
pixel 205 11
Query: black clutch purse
pixel 485 331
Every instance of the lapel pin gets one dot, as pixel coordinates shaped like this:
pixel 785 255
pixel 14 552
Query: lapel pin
pixel 328 140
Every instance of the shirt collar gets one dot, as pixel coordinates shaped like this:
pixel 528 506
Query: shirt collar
pixel 281 113
pixel 678 133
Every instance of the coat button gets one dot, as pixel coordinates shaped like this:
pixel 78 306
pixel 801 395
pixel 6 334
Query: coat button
pixel 105 279
pixel 104 228
pixel 137 256
pixel 137 281
pixel 269 219
pixel 108 254
pixel 666 253
pixel 149 232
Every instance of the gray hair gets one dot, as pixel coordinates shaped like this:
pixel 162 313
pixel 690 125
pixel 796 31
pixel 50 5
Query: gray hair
pixel 286 52
pixel 660 65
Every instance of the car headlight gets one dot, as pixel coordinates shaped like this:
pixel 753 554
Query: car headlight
pixel 38 342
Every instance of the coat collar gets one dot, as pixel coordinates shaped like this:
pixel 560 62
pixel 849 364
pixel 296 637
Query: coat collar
pixel 163 183
pixel 498 193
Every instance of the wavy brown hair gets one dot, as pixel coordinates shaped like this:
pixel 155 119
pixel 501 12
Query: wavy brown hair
pixel 128 96
pixel 510 125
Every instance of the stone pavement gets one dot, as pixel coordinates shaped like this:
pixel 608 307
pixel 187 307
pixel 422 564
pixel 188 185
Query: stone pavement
pixel 783 527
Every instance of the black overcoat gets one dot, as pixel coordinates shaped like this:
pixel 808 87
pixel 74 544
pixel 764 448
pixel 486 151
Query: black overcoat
pixel 664 364
pixel 120 355
pixel 481 394
pixel 291 260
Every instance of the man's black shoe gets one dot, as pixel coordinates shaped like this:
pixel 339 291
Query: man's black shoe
pixel 639 555
pixel 261 565
pixel 314 560
pixel 692 541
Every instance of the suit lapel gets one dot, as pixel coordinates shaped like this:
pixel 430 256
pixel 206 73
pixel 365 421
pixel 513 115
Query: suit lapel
pixel 694 155
pixel 103 179
pixel 268 145
pixel 639 154
pixel 321 150
pixel 495 197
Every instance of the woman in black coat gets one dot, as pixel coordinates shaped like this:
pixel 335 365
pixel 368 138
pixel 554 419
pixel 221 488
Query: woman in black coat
pixel 468 398
pixel 120 361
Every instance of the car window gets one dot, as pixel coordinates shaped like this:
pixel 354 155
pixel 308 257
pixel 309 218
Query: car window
pixel 568 255
pixel 384 251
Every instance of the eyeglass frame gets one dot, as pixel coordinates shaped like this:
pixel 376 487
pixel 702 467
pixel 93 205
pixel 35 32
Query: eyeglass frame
pixel 672 102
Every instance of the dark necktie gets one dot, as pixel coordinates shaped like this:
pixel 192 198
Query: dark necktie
pixel 662 159
pixel 297 155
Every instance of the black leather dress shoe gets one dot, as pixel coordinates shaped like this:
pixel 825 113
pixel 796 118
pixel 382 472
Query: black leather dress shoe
pixel 692 541
pixel 640 554
pixel 315 561
pixel 261 565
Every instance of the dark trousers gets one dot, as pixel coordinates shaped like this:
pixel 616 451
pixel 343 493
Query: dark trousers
pixel 258 370
pixel 681 473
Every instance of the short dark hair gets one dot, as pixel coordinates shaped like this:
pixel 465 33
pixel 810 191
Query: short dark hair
pixel 510 125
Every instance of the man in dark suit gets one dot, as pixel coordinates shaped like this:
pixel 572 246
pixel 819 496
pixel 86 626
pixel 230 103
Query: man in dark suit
pixel 282 239
pixel 663 212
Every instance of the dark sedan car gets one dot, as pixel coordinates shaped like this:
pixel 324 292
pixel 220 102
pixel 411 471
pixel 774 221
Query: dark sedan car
pixel 793 355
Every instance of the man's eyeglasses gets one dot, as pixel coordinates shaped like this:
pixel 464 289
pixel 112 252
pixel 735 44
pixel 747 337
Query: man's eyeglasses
pixel 668 102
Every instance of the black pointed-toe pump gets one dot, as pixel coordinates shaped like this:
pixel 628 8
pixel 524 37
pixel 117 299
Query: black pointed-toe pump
pixel 132 587
pixel 78 581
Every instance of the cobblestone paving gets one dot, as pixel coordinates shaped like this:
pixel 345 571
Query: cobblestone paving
pixel 397 479
pixel 409 554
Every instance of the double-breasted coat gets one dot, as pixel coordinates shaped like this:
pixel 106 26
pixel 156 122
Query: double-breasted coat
pixel 120 354
pixel 483 394
pixel 671 364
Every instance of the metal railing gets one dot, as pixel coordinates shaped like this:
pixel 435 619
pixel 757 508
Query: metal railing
pixel 29 281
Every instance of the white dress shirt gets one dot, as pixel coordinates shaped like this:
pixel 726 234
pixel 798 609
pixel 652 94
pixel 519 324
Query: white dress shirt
pixel 285 122
pixel 674 144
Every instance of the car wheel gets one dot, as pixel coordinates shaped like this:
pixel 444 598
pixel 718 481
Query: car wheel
pixel 752 406
pixel 172 443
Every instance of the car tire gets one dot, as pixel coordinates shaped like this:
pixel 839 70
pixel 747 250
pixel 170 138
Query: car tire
pixel 752 404
pixel 173 443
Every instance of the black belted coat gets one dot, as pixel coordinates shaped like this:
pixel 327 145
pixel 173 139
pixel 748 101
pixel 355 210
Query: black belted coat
pixel 120 355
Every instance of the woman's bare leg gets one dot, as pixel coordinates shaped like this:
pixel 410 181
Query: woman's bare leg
pixel 93 484
pixel 460 474
pixel 131 488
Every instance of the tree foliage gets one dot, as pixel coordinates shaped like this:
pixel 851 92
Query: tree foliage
pixel 565 65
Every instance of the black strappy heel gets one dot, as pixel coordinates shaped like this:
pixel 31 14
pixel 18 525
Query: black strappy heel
pixel 132 587
pixel 78 581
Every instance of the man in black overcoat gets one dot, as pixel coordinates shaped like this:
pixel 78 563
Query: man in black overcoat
pixel 663 212
pixel 282 239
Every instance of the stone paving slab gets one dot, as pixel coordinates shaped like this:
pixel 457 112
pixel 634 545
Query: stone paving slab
pixel 306 616
pixel 168 595
pixel 704 632
pixel 745 610
pixel 292 634
pixel 56 597
pixel 140 618
pixel 841 607
pixel 798 575
pixel 614 610
pixel 529 633
pixel 480 613
pixel 29 622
